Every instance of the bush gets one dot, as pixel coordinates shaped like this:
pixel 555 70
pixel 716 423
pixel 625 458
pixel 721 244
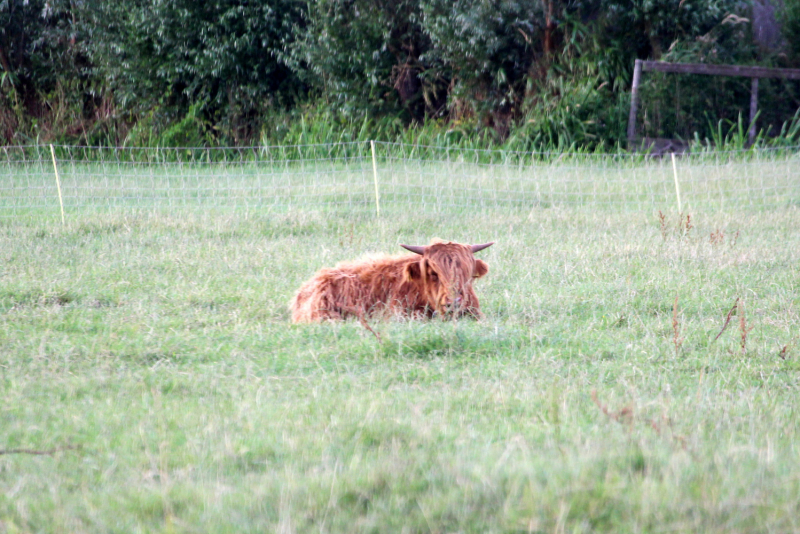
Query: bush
pixel 221 56
pixel 487 50
pixel 790 17
pixel 367 56
pixel 44 75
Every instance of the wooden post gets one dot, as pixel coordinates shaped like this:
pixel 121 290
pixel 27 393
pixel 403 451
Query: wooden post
pixel 637 74
pixel 751 134
pixel 721 70
pixel 713 70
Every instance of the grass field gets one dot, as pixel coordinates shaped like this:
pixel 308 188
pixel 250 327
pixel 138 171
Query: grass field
pixel 345 178
pixel 150 379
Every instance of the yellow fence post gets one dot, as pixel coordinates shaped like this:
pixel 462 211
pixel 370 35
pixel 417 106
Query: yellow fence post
pixel 375 176
pixel 677 186
pixel 58 186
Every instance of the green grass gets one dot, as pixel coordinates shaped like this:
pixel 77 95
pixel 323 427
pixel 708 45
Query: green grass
pixel 340 178
pixel 160 348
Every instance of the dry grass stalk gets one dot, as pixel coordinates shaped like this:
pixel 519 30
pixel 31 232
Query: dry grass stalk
pixel 677 340
pixel 662 219
pixel 685 226
pixel 36 452
pixel 718 238
pixel 728 318
pixel 667 422
pixel 359 312
pixel 348 237
pixel 743 326
pixel 624 415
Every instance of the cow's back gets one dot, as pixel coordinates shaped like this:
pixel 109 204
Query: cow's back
pixel 370 285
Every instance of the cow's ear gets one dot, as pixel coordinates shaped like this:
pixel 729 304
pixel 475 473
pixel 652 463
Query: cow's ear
pixel 412 272
pixel 480 268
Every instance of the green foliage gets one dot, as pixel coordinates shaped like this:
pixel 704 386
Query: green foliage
pixel 573 114
pixel 220 56
pixel 365 55
pixel 321 125
pixel 37 38
pixel 790 18
pixel 487 50
pixel 580 102
pixel 693 106
pixel 190 131
pixel 44 75
pixel 527 73
pixel 158 346
pixel 734 136
pixel 652 27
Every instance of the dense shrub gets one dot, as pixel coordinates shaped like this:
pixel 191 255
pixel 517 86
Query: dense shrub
pixel 790 16
pixel 368 56
pixel 529 73
pixel 169 55
pixel 44 73
pixel 487 51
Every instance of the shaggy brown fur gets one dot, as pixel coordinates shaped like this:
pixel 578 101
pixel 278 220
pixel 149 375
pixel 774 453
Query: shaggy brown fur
pixel 439 280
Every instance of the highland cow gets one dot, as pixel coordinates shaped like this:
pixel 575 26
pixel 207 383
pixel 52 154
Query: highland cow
pixel 436 280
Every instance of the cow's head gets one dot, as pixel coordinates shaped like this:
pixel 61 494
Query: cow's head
pixel 445 273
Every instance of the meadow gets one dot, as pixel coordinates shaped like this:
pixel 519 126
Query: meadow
pixel 637 370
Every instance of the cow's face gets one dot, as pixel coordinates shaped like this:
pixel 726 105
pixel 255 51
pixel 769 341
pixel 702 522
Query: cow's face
pixel 445 273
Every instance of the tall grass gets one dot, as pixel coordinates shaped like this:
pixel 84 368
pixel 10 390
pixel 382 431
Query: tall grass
pixel 341 178
pixel 730 135
pixel 550 126
pixel 150 359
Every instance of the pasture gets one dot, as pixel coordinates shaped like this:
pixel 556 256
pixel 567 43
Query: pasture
pixel 151 381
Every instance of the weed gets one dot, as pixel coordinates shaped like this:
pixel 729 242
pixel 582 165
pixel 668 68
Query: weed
pixel 735 239
pixel 677 340
pixel 624 415
pixel 685 225
pixel 663 222
pixel 728 318
pixel 716 238
pixel 359 313
pixel 683 228
pixel 743 328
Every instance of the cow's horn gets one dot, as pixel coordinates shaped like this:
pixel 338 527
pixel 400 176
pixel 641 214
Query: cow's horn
pixel 476 248
pixel 414 248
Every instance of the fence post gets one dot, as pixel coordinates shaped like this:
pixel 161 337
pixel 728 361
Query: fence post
pixel 637 74
pixel 751 134
pixel 677 186
pixel 58 186
pixel 375 176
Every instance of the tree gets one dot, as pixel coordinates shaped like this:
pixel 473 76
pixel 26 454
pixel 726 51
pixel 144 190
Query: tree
pixel 368 55
pixel 39 54
pixel 219 58
pixel 487 49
